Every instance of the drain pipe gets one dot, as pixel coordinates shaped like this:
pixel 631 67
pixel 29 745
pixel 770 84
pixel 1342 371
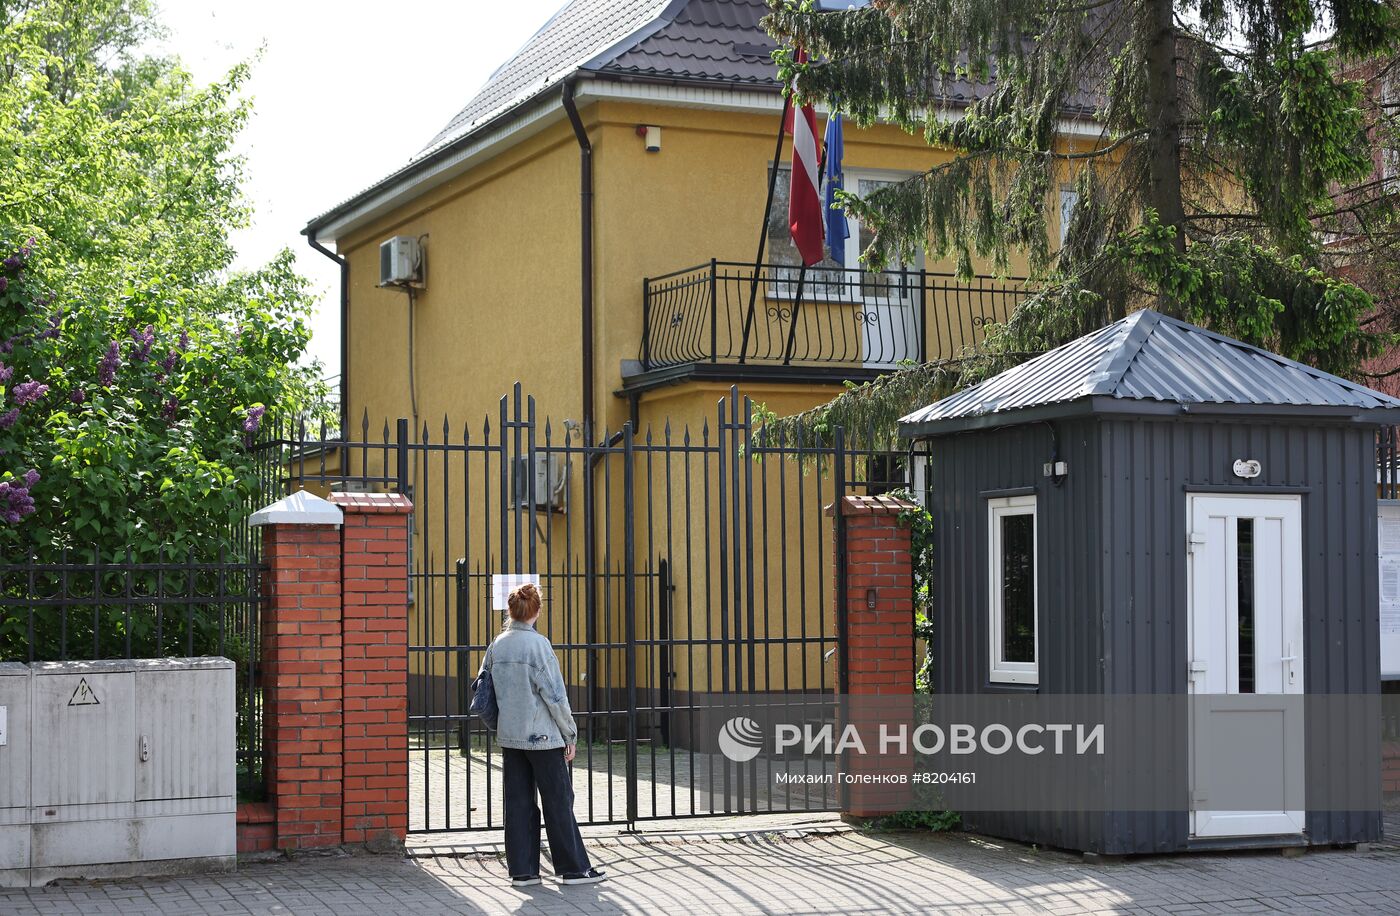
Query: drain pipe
pixel 344 335
pixel 585 193
pixel 592 688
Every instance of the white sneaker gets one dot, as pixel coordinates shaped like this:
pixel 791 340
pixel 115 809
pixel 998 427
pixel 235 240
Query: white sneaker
pixel 524 880
pixel 592 876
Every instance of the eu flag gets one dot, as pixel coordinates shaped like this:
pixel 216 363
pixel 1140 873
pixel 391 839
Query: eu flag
pixel 836 229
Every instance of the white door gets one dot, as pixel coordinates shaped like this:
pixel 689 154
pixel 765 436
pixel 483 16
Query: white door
pixel 1244 648
pixel 888 301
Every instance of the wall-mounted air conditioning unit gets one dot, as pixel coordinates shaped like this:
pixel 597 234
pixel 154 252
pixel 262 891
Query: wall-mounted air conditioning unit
pixel 550 479
pixel 401 262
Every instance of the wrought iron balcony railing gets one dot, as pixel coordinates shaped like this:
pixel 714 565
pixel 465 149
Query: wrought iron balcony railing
pixel 722 312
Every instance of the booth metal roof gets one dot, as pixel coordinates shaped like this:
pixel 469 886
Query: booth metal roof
pixel 1149 363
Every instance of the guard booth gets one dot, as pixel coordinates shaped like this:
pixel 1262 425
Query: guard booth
pixel 1155 509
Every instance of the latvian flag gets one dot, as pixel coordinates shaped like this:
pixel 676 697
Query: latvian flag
pixel 805 216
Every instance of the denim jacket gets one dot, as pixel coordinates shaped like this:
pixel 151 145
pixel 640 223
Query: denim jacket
pixel 534 705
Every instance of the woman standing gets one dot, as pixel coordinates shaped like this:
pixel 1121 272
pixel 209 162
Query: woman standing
pixel 537 736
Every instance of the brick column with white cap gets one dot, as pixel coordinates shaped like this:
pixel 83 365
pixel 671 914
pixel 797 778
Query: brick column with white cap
pixel 374 660
pixel 301 675
pixel 334 673
pixel 878 607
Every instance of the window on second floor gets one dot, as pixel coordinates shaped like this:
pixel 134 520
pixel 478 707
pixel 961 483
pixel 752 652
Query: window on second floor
pixel 826 280
pixel 1069 199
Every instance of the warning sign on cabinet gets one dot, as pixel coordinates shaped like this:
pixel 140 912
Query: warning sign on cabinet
pixel 83 695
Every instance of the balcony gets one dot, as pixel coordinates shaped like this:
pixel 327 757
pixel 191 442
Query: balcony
pixel 723 320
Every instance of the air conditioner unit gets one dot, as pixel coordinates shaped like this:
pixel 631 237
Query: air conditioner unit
pixel 551 482
pixel 401 262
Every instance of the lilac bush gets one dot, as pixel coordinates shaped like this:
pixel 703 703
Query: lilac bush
pixel 147 446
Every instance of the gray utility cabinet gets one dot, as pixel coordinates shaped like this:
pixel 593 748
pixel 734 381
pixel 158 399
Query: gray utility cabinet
pixel 116 768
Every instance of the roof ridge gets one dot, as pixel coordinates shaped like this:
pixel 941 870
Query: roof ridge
pixel 665 14
pixel 1136 329
pixel 1278 358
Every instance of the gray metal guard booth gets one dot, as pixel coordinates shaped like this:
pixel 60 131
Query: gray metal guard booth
pixel 1145 415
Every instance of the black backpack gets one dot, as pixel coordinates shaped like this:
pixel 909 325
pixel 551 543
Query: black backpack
pixel 484 697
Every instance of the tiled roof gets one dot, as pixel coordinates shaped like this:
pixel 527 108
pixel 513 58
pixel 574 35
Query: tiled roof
pixel 707 40
pixel 579 32
pixel 1150 357
pixel 690 40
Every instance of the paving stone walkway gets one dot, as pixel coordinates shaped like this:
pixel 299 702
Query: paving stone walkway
pixel 450 791
pixel 822 870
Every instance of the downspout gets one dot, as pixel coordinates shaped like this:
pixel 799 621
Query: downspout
pixel 592 687
pixel 585 193
pixel 344 336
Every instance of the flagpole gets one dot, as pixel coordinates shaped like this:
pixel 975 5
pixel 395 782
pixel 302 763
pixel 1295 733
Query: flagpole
pixel 792 328
pixel 763 229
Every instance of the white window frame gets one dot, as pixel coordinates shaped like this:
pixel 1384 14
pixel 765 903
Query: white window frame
pixel 1002 671
pixel 1069 199
pixel 783 286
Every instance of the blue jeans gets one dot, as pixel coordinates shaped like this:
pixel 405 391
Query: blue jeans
pixel 524 773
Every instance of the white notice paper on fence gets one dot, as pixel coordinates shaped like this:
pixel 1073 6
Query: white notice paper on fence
pixel 1390 535
pixel 502 584
pixel 1389 532
pixel 1390 594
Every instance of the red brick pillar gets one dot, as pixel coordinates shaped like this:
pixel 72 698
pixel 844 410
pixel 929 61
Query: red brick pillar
pixel 301 670
pixel 374 658
pixel 879 650
pixel 334 673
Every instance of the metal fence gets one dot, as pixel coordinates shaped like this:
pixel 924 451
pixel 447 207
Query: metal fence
pixel 726 312
pixel 87 607
pixel 677 563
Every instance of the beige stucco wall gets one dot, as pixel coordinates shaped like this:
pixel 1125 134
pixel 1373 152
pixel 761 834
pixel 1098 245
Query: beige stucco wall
pixel 501 305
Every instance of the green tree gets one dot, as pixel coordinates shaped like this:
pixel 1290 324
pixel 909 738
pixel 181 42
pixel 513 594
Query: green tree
pixel 1219 132
pixel 135 362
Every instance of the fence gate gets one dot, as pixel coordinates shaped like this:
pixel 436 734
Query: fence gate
pixel 677 564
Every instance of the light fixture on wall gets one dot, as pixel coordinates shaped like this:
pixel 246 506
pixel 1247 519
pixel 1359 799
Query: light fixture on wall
pixel 652 135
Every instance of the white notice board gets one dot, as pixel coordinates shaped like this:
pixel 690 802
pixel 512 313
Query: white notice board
pixel 1390 587
pixel 502 584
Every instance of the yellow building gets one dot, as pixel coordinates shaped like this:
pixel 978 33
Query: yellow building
pixel 588 226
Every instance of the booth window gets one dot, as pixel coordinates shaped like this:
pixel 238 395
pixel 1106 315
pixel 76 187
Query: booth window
pixel 1013 589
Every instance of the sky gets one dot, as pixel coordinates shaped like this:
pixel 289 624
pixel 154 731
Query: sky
pixel 343 93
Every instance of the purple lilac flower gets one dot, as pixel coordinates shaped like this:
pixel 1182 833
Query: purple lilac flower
pixel 31 477
pixel 77 395
pixel 107 369
pixel 254 419
pixel 4 284
pixel 168 364
pixel 11 262
pixel 6 372
pixel 184 341
pixel 144 341
pixel 8 346
pixel 9 419
pixel 29 392
pixel 55 323
pixel 171 410
pixel 15 501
